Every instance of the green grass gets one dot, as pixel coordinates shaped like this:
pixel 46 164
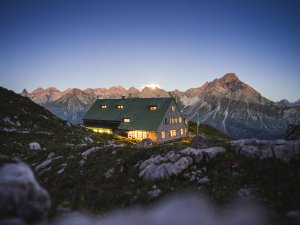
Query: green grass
pixel 207 130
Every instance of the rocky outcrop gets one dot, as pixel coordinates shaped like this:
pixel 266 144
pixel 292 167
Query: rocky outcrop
pixel 174 163
pixel 292 132
pixel 279 149
pixel 21 197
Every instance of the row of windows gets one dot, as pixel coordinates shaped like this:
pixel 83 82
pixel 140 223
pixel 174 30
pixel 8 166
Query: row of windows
pixel 152 107
pixel 173 120
pixel 173 133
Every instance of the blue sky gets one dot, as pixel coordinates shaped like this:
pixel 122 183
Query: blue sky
pixel 176 44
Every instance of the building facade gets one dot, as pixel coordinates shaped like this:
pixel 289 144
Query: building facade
pixel 139 118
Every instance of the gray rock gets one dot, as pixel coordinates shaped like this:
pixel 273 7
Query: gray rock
pixel 34 146
pixel 162 167
pixel 20 194
pixel 279 149
pixel 145 143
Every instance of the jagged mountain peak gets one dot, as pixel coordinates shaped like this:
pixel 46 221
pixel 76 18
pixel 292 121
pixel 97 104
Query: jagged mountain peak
pixel 118 87
pixel 229 77
pixel 39 89
pixel 52 89
pixel 24 92
pixel 75 91
pixel 150 92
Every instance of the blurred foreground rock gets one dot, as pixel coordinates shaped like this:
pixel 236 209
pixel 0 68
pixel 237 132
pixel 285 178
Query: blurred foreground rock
pixel 188 209
pixel 22 199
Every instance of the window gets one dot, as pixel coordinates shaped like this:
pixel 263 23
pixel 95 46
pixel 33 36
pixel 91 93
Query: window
pixel 103 106
pixel 180 119
pixel 166 121
pixel 173 108
pixel 173 133
pixel 119 106
pixel 175 120
pixel 163 135
pixel 126 120
pixel 153 107
pixel 181 131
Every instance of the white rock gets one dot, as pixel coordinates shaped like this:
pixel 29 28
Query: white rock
pixel 109 173
pixel 86 153
pixel 34 146
pixel 154 192
pixel 203 180
pixel 43 165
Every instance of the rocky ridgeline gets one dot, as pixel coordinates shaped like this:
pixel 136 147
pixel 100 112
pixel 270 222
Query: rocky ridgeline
pixel 279 149
pixel 174 163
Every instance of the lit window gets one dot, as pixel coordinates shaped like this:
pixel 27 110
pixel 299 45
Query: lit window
pixel 173 108
pixel 119 106
pixel 126 120
pixel 175 120
pixel 103 106
pixel 173 133
pixel 180 119
pixel 163 135
pixel 153 107
pixel 181 131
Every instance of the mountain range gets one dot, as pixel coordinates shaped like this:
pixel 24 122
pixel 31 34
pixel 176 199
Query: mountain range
pixel 225 103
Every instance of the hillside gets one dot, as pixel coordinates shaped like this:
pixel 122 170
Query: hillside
pixel 23 122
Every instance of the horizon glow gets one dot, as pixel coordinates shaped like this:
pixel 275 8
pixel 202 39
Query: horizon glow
pixel 178 44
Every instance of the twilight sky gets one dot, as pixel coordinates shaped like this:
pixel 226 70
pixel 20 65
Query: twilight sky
pixel 176 44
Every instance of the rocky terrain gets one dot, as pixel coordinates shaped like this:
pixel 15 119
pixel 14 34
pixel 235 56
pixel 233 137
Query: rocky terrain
pixel 225 103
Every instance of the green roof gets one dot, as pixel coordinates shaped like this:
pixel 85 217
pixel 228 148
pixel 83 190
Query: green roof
pixel 136 109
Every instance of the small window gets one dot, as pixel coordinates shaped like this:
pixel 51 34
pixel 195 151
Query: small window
pixel 163 135
pixel 175 120
pixel 103 106
pixel 153 107
pixel 166 121
pixel 119 106
pixel 180 119
pixel 173 108
pixel 181 131
pixel 126 120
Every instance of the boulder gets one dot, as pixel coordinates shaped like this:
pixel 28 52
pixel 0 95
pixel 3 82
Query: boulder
pixel 165 166
pixel 21 197
pixel 144 143
pixel 34 146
